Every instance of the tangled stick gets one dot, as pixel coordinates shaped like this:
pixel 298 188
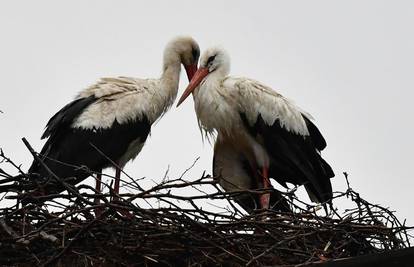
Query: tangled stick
pixel 202 227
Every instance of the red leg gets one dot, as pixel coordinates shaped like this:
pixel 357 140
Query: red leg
pixel 98 185
pixel 265 198
pixel 125 213
pixel 117 181
pixel 98 211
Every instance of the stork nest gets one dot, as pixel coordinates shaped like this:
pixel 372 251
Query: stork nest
pixel 165 225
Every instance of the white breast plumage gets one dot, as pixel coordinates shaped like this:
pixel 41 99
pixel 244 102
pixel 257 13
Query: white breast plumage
pixel 209 99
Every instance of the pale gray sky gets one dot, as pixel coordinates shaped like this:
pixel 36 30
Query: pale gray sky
pixel 349 63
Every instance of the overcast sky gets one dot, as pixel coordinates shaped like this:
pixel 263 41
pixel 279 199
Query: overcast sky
pixel 349 63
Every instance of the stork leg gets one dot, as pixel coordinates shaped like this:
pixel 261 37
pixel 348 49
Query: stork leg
pixel 265 198
pixel 117 181
pixel 98 210
pixel 124 212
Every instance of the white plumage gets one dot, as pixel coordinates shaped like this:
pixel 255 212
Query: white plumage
pixel 274 136
pixel 232 95
pixel 112 119
pixel 125 99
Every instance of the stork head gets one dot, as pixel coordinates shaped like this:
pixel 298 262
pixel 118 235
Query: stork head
pixel 186 50
pixel 214 60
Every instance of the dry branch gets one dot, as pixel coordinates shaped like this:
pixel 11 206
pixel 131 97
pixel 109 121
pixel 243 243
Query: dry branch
pixel 172 229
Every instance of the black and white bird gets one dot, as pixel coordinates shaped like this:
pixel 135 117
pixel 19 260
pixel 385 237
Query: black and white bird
pixel 107 123
pixel 260 127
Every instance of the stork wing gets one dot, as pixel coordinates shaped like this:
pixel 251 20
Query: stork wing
pixel 290 138
pixel 255 98
pixel 123 99
pixel 65 116
pixel 74 152
pixel 316 136
pixel 91 131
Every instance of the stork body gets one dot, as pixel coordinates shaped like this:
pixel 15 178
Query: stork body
pixel 277 138
pixel 234 173
pixel 107 124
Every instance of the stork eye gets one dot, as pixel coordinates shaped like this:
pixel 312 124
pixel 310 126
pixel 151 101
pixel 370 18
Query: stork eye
pixel 211 59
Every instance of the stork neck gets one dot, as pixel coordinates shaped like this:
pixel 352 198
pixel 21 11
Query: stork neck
pixel 171 77
pixel 216 77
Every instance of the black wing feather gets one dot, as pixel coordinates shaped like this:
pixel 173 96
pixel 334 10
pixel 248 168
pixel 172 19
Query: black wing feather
pixel 295 158
pixel 65 116
pixel 67 148
pixel 315 134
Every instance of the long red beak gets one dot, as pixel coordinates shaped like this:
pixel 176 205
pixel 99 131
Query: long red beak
pixel 191 70
pixel 195 81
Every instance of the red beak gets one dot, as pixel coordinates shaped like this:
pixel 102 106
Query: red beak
pixel 195 81
pixel 191 70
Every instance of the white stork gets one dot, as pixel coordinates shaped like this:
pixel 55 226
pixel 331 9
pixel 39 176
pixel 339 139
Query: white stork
pixel 109 121
pixel 275 137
